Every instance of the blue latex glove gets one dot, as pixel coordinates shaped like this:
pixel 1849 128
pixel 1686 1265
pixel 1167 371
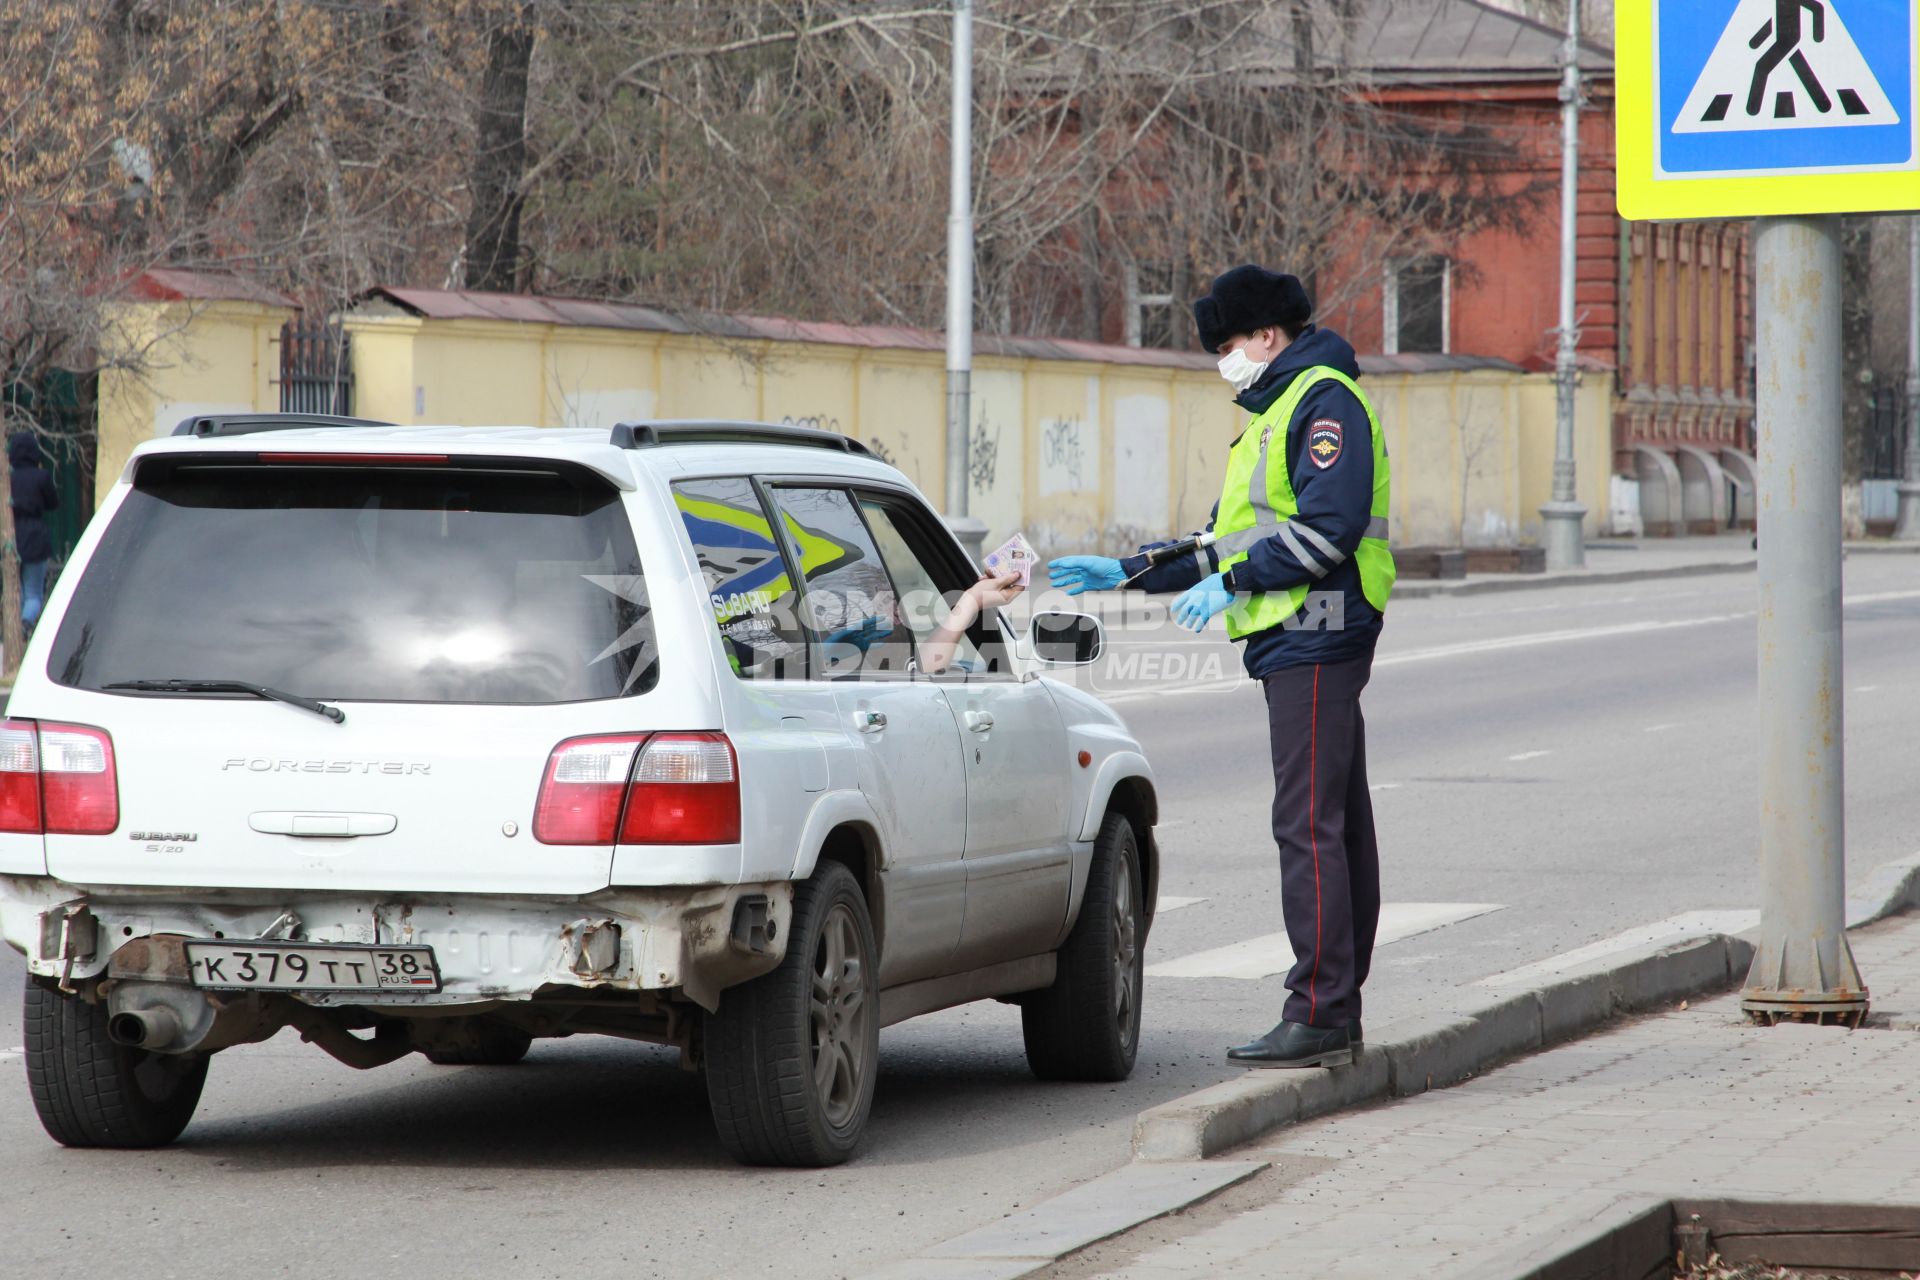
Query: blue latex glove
pixel 1198 603
pixel 1085 573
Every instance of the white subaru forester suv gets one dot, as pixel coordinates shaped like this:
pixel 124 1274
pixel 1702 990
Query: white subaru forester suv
pixel 442 740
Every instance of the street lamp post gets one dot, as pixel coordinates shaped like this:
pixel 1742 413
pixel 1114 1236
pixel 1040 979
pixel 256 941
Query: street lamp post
pixel 971 532
pixel 1564 516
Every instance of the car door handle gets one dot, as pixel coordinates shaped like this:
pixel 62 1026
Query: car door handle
pixel 979 721
pixel 871 721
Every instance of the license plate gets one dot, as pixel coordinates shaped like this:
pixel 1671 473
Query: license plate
pixel 304 966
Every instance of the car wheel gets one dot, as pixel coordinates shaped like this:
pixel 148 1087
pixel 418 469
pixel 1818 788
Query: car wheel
pixel 1086 1026
pixel 91 1092
pixel 791 1056
pixel 492 1047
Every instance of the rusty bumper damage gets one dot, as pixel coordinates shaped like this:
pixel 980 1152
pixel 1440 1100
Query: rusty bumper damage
pixel 690 942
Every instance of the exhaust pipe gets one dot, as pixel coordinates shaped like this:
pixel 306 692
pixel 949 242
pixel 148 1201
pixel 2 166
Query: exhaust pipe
pixel 154 1028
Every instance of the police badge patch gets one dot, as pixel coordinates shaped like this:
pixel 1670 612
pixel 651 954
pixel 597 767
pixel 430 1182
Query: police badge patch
pixel 1323 442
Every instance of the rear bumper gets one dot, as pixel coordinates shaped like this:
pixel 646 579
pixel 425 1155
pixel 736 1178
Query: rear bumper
pixel 488 948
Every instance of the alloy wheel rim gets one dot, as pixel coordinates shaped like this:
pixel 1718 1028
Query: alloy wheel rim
pixel 1126 948
pixel 839 1017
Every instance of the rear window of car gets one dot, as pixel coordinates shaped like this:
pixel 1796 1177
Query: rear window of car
pixel 516 583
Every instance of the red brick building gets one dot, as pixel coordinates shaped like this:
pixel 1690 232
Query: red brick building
pixel 1664 310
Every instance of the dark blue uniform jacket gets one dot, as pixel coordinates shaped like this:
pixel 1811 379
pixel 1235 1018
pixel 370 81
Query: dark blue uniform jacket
pixel 1336 499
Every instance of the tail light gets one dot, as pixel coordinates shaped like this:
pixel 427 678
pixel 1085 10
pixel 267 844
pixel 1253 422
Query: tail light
pixel 57 779
pixel 662 788
pixel 585 786
pixel 685 790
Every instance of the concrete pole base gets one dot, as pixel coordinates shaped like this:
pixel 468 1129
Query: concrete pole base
pixel 1564 535
pixel 1906 523
pixel 972 532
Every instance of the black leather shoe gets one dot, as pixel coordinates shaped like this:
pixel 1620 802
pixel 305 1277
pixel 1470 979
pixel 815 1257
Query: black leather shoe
pixel 1295 1044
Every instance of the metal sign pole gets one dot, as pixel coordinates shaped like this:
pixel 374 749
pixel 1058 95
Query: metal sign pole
pixel 1804 967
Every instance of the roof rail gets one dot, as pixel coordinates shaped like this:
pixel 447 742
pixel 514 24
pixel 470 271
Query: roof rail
pixel 649 435
pixel 216 425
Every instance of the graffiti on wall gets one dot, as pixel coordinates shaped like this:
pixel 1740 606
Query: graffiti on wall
pixel 1063 455
pixel 983 454
pixel 825 422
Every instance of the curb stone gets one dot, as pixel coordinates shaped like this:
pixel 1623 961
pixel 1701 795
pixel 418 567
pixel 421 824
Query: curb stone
pixel 1430 1051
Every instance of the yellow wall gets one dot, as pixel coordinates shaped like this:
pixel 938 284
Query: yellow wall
pixel 1080 455
pixel 200 357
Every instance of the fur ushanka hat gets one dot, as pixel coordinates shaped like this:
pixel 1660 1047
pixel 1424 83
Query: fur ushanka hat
pixel 1248 298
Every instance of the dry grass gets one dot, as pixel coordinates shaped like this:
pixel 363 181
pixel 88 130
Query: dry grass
pixel 1718 1270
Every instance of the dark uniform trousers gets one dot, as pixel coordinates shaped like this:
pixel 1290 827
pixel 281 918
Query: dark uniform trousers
pixel 1323 823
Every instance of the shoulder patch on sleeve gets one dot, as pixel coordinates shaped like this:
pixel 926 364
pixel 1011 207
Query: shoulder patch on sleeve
pixel 1324 442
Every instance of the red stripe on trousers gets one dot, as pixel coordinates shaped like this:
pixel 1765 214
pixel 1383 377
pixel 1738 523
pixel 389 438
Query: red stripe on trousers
pixel 1313 839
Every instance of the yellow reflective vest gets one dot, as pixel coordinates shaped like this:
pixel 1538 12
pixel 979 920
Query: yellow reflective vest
pixel 1257 501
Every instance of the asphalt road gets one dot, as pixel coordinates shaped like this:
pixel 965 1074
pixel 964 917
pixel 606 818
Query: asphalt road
pixel 1582 758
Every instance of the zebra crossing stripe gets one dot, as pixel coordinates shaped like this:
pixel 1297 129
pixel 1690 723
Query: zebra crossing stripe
pixel 1272 953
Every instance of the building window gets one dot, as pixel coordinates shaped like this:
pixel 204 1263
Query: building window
pixel 1418 297
pixel 1154 316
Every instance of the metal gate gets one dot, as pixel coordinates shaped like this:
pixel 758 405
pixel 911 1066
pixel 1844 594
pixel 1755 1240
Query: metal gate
pixel 316 368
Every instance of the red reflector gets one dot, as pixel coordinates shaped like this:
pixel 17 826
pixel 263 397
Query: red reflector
pixel 686 790
pixel 355 459
pixel 584 787
pixel 58 779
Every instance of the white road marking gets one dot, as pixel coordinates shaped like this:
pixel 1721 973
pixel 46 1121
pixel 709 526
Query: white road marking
pixel 1865 688
pixel 1168 903
pixel 1529 755
pixel 1661 728
pixel 1672 929
pixel 1265 956
pixel 1384 786
pixel 8 1055
pixel 1881 597
pixel 1498 644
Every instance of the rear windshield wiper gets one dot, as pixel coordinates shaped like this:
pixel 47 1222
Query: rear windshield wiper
pixel 177 685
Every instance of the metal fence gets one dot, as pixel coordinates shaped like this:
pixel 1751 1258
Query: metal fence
pixel 1886 434
pixel 316 368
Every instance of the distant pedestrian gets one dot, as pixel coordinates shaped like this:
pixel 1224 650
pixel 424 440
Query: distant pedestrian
pixel 33 496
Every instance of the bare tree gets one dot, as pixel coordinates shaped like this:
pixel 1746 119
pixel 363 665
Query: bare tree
pixel 500 154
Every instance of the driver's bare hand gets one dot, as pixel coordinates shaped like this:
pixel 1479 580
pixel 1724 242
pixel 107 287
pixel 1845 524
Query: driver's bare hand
pixel 994 592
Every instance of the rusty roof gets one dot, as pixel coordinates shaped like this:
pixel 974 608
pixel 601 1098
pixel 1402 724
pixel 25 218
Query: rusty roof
pixel 179 284
pixel 465 304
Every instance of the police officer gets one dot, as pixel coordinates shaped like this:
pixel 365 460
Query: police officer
pixel 1300 569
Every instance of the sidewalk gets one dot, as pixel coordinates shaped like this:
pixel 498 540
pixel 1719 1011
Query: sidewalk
pixel 1609 560
pixel 1491 1178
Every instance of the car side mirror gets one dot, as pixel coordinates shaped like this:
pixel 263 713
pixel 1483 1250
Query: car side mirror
pixel 1066 639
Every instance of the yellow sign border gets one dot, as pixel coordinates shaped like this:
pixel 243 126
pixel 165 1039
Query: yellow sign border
pixel 1642 196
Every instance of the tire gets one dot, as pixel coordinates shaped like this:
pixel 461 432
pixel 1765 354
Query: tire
pixel 1086 1026
pixel 91 1092
pixel 494 1047
pixel 791 1056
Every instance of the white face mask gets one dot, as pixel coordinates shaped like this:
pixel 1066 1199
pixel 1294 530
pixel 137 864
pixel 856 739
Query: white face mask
pixel 1241 372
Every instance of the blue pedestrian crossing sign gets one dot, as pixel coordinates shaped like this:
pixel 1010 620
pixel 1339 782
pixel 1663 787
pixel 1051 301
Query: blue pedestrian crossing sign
pixel 1738 108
